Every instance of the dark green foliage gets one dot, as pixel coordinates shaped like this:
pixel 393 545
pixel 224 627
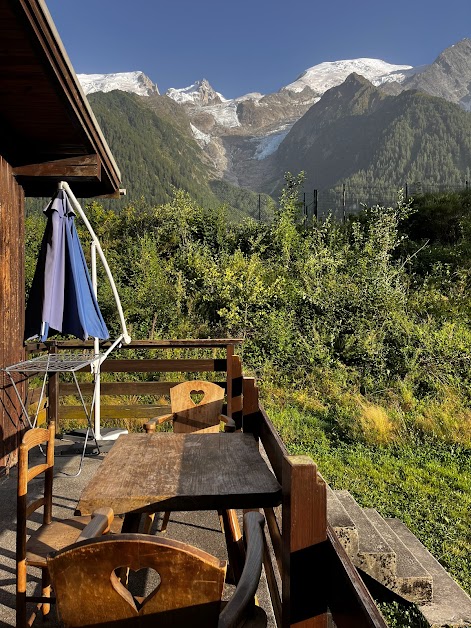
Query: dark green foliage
pixel 358 135
pixel 153 154
pixel 440 218
pixel 247 202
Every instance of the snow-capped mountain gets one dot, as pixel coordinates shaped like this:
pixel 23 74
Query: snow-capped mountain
pixel 292 100
pixel 329 74
pixel 237 134
pixel 134 82
pixel 200 93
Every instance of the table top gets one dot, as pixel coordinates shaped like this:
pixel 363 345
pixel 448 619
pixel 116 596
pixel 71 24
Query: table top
pixel 166 471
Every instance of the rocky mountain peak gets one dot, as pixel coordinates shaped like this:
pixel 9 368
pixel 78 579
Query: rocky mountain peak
pixel 449 76
pixel 200 93
pixel 133 82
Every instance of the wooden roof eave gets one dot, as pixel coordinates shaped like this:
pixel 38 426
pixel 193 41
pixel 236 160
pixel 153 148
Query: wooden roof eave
pixel 61 68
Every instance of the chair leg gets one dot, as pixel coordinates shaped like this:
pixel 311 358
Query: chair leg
pixel 234 543
pixel 21 594
pixel 46 591
pixel 148 521
pixel 165 520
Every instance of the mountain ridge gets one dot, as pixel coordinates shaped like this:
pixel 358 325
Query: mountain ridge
pixel 251 141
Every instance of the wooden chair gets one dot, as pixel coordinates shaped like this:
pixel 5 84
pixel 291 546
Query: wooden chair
pixel 189 416
pixel 188 594
pixel 51 535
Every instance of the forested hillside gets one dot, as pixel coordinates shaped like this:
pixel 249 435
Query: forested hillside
pixel 152 142
pixel 359 135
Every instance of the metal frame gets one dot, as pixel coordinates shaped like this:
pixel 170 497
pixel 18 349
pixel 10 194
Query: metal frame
pixel 124 337
pixel 58 363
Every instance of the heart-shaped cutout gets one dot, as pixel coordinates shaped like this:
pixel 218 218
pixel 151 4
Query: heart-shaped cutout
pixel 197 396
pixel 142 585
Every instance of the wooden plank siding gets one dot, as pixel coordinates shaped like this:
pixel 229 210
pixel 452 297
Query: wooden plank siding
pixel 48 134
pixel 11 308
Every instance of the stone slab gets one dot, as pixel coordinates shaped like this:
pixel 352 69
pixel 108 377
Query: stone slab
pixel 413 582
pixel 451 605
pixel 375 556
pixel 342 523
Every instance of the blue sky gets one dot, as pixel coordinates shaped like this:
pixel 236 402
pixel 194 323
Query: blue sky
pixel 251 45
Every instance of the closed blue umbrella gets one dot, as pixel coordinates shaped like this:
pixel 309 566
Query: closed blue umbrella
pixel 62 299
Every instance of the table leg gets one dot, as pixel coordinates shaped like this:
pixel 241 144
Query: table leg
pixel 234 543
pixel 131 522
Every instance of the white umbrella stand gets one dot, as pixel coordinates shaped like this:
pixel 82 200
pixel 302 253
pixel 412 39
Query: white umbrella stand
pixel 106 433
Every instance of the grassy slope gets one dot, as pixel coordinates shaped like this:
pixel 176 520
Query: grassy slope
pixel 426 484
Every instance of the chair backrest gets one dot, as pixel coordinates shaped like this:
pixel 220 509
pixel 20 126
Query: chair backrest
pixel 33 438
pixel 89 593
pixel 196 417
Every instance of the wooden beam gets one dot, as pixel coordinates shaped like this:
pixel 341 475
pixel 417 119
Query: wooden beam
pixel 52 50
pixel 85 166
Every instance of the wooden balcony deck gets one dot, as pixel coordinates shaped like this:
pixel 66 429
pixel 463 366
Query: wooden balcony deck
pixel 309 580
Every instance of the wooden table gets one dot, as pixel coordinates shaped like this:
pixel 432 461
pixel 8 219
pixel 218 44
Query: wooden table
pixel 166 471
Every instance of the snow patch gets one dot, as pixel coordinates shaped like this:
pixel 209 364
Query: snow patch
pixel 133 82
pixel 269 144
pixel 255 96
pixel 203 139
pixel 399 75
pixel 224 114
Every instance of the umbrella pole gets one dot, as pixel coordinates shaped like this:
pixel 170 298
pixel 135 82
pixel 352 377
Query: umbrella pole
pixel 96 345
pixel 96 248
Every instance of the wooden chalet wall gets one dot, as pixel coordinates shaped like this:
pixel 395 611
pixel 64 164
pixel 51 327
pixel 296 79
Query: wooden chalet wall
pixel 11 308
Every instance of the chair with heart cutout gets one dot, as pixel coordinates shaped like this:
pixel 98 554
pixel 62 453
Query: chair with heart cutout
pixel 188 592
pixel 196 407
pixel 32 546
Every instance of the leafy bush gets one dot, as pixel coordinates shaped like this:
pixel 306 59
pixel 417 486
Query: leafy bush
pixel 336 310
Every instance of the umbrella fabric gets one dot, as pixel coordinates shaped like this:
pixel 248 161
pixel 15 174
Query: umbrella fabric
pixel 61 299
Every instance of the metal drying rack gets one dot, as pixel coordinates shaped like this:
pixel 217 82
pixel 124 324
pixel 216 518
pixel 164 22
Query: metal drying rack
pixel 58 363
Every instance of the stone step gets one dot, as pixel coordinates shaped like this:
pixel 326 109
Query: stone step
pixel 451 606
pixel 413 582
pixel 342 523
pixel 375 556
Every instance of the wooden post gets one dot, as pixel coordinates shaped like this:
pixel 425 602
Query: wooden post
pixel 344 202
pixel 229 356
pixel 304 530
pixel 250 403
pixel 236 391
